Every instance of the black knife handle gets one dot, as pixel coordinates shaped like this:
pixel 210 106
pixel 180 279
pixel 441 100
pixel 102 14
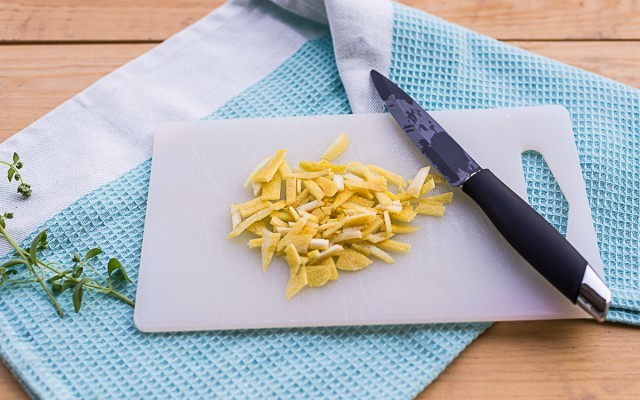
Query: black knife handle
pixel 530 235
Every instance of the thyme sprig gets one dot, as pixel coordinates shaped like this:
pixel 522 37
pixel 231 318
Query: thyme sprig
pixel 12 173
pixel 27 267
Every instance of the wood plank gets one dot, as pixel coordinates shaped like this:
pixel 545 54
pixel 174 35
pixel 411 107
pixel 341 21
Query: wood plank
pixel 36 78
pixel 545 359
pixel 124 20
pixel 10 389
pixel 541 19
pixel 616 60
pixel 98 20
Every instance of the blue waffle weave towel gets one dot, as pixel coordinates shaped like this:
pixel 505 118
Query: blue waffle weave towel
pixel 100 354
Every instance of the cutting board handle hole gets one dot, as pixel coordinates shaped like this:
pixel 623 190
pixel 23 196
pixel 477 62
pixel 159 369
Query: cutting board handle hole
pixel 543 192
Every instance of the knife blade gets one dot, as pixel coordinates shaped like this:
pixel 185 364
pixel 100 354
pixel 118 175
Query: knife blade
pixel 539 243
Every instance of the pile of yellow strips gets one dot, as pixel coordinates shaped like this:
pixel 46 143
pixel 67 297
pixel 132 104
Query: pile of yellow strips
pixel 332 217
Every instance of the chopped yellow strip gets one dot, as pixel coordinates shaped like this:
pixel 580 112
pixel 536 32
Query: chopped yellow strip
pixel 257 188
pixel 290 190
pixel 332 265
pixel 271 190
pixel 277 222
pixel 252 206
pixel 379 237
pixel 266 174
pixel 278 205
pixel 341 197
pixel 284 170
pixel 417 182
pixel 355 167
pixel 406 215
pixel 314 189
pixel 444 198
pixel 434 210
pixel 247 222
pixel 378 184
pixel 297 283
pixel 255 170
pixel 253 243
pixel 351 260
pixel 329 187
pixel 352 177
pixel 371 250
pixel 391 177
pixel 373 227
pixel 236 217
pixel 335 168
pixel 341 237
pixel 302 198
pixel 313 254
pixel 339 181
pixel 318 213
pixel 404 228
pixel 428 186
pixel 437 178
pixel 295 231
pixel 404 196
pixel 269 243
pixel 302 242
pixel 333 250
pixel 336 148
pixel 319 244
pixel 359 219
pixel 312 174
pixel 257 228
pixel 387 221
pixel 366 172
pixel 293 259
pixel 364 249
pixel 393 245
pixel 310 206
pixel 361 201
pixel 318 275
pixel 383 198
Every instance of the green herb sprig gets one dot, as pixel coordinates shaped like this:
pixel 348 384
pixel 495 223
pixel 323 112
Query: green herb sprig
pixel 23 188
pixel 27 266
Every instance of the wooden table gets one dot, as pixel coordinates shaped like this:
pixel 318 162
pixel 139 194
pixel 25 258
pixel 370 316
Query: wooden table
pixel 52 49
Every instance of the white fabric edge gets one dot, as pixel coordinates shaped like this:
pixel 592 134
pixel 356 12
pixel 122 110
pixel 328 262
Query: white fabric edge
pixel 362 34
pixel 108 128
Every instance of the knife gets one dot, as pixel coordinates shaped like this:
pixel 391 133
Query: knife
pixel 539 243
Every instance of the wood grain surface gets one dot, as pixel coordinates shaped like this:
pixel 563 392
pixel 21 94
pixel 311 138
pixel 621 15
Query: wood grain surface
pixel 51 49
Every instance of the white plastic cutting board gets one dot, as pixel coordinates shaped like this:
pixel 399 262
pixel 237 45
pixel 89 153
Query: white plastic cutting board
pixel 459 267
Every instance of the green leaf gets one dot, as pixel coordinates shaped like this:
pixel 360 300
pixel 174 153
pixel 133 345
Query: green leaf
pixel 115 266
pixel 16 157
pixel 66 285
pixel 56 287
pixel 55 278
pixel 11 263
pixel 92 253
pixel 43 242
pixel 78 272
pixel 76 257
pixel 77 294
pixel 35 243
pixel 11 173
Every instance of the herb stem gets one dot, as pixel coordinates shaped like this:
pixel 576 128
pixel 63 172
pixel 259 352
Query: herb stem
pixel 107 290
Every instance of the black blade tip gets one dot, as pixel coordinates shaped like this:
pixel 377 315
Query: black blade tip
pixel 380 82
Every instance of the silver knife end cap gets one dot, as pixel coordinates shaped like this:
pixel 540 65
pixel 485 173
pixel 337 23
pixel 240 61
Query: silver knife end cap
pixel 594 296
